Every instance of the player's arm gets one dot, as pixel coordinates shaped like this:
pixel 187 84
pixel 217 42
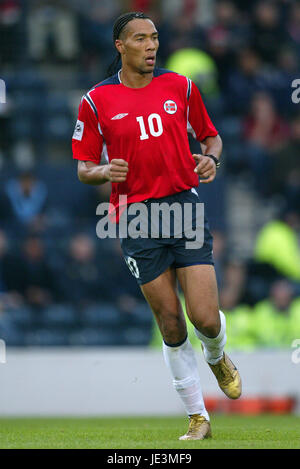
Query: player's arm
pixel 205 132
pixel 87 146
pixel 94 174
pixel 206 166
pixel 212 146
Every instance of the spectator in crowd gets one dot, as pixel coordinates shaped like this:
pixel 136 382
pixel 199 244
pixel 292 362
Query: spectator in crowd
pixel 201 68
pixel 264 132
pixel 11 44
pixel 37 282
pixel 245 79
pixel 95 23
pixel 293 25
pixel 282 77
pixel 52 31
pixel 184 33
pixel 23 201
pixel 277 244
pixel 267 30
pixel 241 327
pixel 147 6
pixel 124 294
pixel 263 126
pixel 233 285
pixel 224 37
pixel 84 210
pixel 260 277
pixel 286 168
pixel 274 318
pixel 10 278
pixel 82 276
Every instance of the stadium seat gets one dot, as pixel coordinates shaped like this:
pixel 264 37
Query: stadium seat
pixel 101 314
pixel 59 315
pixel 95 337
pixel 140 315
pixel 59 119
pixel 46 338
pixel 10 333
pixel 22 318
pixel 135 336
pixel 230 128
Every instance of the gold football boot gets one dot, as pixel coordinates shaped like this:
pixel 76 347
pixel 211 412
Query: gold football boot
pixel 228 377
pixel 199 428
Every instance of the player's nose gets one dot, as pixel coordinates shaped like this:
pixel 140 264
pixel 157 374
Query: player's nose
pixel 151 45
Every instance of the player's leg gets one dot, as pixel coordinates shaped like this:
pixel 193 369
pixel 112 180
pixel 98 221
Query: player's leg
pixel 150 260
pixel 161 294
pixel 199 285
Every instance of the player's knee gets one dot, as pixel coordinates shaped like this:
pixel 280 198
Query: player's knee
pixel 209 327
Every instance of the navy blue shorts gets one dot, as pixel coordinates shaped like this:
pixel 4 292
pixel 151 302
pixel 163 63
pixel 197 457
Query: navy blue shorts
pixel 184 239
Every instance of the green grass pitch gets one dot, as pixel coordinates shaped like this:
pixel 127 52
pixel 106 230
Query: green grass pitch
pixel 229 431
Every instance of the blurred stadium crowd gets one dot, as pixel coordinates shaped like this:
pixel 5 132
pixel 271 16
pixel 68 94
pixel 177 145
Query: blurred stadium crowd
pixel 59 283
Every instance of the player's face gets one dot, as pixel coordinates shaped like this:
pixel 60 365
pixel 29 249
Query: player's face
pixel 138 46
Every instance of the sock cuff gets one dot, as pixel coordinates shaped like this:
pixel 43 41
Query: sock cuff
pixel 178 344
pixel 219 337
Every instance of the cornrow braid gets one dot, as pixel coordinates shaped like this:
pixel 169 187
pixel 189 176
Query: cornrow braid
pixel 118 26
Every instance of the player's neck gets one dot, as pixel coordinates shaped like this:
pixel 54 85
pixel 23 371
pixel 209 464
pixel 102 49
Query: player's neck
pixel 133 79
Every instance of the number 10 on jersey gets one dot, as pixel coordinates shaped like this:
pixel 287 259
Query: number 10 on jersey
pixel 155 132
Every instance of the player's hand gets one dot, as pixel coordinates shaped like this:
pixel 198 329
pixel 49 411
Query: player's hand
pixel 117 170
pixel 206 168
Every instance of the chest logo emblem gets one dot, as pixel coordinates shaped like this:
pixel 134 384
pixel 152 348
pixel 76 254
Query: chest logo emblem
pixel 170 106
pixel 119 116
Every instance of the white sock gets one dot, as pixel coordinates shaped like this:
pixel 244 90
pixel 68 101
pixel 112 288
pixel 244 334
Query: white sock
pixel 214 347
pixel 181 361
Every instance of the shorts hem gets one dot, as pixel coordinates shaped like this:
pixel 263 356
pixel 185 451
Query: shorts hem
pixel 179 266
pixel 155 275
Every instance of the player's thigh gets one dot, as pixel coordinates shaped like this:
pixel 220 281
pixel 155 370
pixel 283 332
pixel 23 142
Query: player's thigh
pixel 146 258
pixel 162 297
pixel 199 286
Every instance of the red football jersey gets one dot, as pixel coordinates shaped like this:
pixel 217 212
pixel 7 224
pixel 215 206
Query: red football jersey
pixel 148 128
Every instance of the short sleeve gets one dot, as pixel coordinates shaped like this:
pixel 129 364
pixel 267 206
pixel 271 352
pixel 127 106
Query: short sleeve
pixel 87 142
pixel 199 123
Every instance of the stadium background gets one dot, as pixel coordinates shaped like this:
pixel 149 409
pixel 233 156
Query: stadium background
pixel 60 286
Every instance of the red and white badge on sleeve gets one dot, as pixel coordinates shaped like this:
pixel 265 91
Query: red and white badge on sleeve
pixel 78 131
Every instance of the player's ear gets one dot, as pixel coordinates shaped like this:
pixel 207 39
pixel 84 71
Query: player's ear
pixel 119 46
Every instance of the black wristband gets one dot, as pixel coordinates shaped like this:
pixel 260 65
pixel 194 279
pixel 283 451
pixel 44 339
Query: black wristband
pixel 217 162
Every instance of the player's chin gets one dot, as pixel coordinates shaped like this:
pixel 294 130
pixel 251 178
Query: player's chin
pixel 148 68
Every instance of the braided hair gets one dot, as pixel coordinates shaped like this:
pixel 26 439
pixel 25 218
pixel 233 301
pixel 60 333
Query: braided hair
pixel 118 27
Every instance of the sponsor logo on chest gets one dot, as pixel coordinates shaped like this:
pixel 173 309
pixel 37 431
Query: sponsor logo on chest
pixel 119 116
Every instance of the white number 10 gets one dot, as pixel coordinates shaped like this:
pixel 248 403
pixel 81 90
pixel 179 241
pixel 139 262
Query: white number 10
pixel 151 118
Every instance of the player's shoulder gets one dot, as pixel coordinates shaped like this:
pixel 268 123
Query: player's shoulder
pixel 170 75
pixel 174 79
pixel 103 85
pixel 93 95
pixel 112 80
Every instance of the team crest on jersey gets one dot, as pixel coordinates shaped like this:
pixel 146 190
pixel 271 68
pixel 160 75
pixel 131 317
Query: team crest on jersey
pixel 170 106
